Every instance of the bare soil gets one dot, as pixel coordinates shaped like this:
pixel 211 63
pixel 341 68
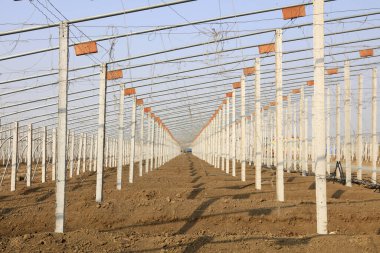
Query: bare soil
pixel 189 206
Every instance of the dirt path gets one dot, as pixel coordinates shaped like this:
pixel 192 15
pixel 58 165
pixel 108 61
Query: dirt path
pixel 189 206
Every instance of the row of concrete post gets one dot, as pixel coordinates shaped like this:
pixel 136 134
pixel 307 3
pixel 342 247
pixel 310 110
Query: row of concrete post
pixel 273 139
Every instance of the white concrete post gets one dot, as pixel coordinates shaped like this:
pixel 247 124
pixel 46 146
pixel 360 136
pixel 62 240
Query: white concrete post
pixel 151 164
pixel 233 155
pixel 264 138
pixel 213 136
pixel 54 154
pixel 271 136
pixel 267 136
pixel 158 159
pixel 359 142
pixel 148 155
pixel 101 133
pixel 141 150
pixel 62 127
pixel 215 144
pixel 243 130
pixel 347 122
pixel 251 142
pixel 319 126
pixel 92 139
pixel 306 141
pixel 218 143
pixel 312 149
pixel 288 134
pixel 72 155
pixel 29 156
pixel 110 152
pixel 299 140
pixel 106 153
pixel 216 139
pixel 294 140
pixel 279 137
pixel 43 165
pixel 14 156
pixel 133 133
pixel 228 139
pixel 206 144
pixel 80 153
pixel 374 119
pixel 337 121
pixel 328 115
pixel 95 153
pixel 156 144
pixel 223 124
pixel 302 128
pixel 161 144
pixel 258 133
pixel 120 139
pixel 3 148
pixel 84 152
pixel 306 144
pixel 114 153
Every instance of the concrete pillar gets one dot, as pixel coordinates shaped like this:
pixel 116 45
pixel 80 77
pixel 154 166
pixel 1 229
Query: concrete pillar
pixel 306 142
pixel 319 116
pixel 62 127
pixel 84 152
pixel 374 127
pixel 347 122
pixel 14 156
pixel 72 155
pixel 147 157
pixel 243 130
pixel 91 161
pixel 133 133
pixel 271 124
pixel 359 141
pixel 120 139
pixel 251 140
pixel 302 128
pixel 294 139
pixel 80 148
pixel 328 115
pixel 337 121
pixel 289 134
pixel 228 140
pixel 29 156
pixel 54 154
pixel 43 165
pixel 141 149
pixel 152 143
pixel 279 137
pixel 258 132
pixel 106 151
pixel 233 155
pixel 222 137
pixel 101 133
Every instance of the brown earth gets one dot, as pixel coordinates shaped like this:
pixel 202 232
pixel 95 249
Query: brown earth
pixel 189 206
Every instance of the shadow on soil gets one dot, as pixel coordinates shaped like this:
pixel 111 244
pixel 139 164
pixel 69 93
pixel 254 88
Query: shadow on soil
pixel 337 194
pixel 203 240
pixel 198 243
pixel 194 217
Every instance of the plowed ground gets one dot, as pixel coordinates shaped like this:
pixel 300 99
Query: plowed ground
pixel 189 206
